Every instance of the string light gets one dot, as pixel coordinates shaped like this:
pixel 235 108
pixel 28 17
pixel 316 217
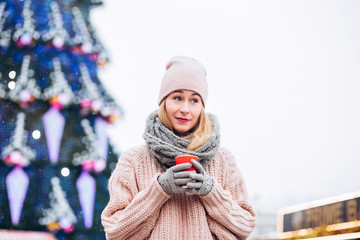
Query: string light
pixel 18 141
pixel 91 152
pixel 36 134
pixel 11 85
pixel 59 206
pixel 56 31
pixel 12 74
pixel 65 172
pixel 59 86
pixel 91 90
pixel 82 34
pixel 5 35
pixel 26 88
pixel 25 34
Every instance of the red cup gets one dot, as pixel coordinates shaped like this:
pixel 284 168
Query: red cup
pixel 186 159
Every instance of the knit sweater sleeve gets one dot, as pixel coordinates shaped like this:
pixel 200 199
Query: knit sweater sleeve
pixel 230 216
pixel 131 212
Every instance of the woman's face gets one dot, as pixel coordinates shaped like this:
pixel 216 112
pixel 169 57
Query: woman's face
pixel 183 108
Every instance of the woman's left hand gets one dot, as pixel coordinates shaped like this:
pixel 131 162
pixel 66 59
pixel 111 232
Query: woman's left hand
pixel 202 182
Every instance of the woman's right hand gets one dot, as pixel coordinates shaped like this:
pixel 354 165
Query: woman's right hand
pixel 172 180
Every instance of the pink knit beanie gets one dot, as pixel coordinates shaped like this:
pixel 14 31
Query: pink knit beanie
pixel 184 73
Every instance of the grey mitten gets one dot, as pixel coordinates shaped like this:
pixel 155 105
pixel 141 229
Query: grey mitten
pixel 201 183
pixel 174 177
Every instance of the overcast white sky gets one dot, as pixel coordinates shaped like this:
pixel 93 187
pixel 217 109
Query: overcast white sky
pixel 284 81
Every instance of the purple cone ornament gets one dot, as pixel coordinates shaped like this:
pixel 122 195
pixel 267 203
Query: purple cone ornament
pixel 17 182
pixel 54 123
pixel 102 138
pixel 86 188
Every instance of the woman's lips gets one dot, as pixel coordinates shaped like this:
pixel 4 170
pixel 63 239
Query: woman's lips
pixel 183 120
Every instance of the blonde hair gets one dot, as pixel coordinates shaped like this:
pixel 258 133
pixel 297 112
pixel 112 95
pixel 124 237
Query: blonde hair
pixel 201 133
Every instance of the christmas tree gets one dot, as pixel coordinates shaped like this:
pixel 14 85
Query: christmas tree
pixel 55 155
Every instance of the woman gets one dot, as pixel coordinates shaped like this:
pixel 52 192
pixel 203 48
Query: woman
pixel 148 199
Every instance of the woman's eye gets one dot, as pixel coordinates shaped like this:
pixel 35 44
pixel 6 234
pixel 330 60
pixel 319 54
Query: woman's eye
pixel 177 98
pixel 194 101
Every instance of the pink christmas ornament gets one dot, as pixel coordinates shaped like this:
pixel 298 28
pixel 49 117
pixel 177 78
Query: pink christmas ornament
pixel 94 56
pixel 85 103
pixel 88 165
pixel 24 40
pixel 57 105
pixel 16 158
pixel 76 50
pixel 93 165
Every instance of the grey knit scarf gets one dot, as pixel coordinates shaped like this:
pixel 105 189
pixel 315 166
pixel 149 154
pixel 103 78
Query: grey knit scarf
pixel 164 145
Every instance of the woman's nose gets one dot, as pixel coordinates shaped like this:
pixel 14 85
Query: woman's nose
pixel 184 107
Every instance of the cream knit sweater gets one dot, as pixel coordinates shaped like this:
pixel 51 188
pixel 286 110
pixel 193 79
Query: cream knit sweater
pixel 140 209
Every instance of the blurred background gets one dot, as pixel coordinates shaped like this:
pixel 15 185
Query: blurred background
pixel 284 81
